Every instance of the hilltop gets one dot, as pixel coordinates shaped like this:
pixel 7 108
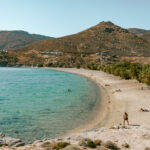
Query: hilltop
pixel 15 39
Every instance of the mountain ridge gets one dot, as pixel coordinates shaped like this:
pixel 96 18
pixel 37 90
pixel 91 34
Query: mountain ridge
pixel 17 38
pixel 145 34
pixel 105 36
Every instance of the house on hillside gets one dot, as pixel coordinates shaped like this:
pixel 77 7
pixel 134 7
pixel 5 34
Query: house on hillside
pixel 3 51
pixel 52 53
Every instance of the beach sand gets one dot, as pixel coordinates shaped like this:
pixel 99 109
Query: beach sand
pixel 117 96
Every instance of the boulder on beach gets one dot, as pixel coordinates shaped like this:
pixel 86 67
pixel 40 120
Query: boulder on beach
pixel 2 135
pixel 102 148
pixel 46 145
pixel 60 145
pixel 9 141
pixel 72 147
pixel 126 145
pixel 98 142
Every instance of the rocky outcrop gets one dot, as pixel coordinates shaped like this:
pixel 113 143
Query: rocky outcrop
pixel 72 147
pixel 133 137
pixel 9 141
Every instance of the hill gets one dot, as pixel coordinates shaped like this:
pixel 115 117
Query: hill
pixel 103 37
pixel 16 39
pixel 105 42
pixel 145 34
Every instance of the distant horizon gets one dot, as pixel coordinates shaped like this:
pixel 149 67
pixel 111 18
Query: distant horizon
pixel 57 18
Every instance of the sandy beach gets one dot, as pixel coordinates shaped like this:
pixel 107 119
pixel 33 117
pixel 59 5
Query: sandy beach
pixel 117 96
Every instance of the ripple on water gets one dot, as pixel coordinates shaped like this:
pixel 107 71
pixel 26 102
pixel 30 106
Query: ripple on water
pixel 35 103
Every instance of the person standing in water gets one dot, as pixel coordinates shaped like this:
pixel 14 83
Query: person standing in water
pixel 125 118
pixel 69 90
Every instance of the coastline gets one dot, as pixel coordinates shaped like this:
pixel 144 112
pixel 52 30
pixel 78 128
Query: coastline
pixel 117 96
pixel 102 109
pixel 120 96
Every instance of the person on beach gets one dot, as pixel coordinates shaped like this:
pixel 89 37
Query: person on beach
pixel 125 118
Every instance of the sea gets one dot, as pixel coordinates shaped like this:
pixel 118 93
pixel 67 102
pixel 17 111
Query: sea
pixel 43 103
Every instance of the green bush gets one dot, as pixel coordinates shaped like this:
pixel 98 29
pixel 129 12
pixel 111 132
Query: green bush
pixel 78 66
pixel 87 143
pixel 127 70
pixel 144 75
pixel 40 65
pixel 111 145
pixel 91 144
pixel 92 66
pixel 60 145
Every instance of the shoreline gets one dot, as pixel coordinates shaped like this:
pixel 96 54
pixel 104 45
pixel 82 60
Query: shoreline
pixel 101 111
pixel 120 95
pixel 117 96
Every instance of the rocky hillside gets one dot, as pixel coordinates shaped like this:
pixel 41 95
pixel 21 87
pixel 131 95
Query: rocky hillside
pixel 103 37
pixel 103 43
pixel 145 34
pixel 16 39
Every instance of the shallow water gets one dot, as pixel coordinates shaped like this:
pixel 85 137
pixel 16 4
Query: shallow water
pixel 35 103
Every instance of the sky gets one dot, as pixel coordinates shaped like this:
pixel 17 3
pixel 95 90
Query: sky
pixel 57 18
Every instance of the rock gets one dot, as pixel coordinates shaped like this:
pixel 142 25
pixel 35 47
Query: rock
pixel 11 141
pixel 8 141
pixel 59 139
pixel 46 139
pixel 60 145
pixel 97 142
pixel 81 142
pixel 68 138
pixel 87 143
pixel 72 147
pixel 37 142
pixel 2 143
pixel 111 145
pixel 147 148
pixel 19 144
pixel 102 148
pixel 46 145
pixel 126 145
pixel 118 90
pixel 2 135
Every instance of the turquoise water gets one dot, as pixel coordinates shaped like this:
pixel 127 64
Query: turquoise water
pixel 35 103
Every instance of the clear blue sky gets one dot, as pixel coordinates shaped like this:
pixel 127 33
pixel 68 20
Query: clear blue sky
pixel 63 17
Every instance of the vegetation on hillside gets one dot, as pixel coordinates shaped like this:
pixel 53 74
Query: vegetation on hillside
pixel 103 37
pixel 7 60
